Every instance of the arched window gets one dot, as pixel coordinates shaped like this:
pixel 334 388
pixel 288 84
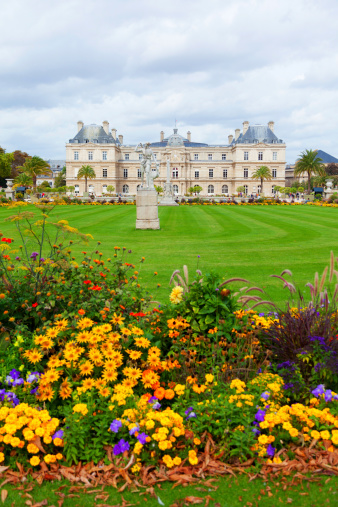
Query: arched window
pixel 77 189
pixel 225 189
pixel 175 189
pixel 259 189
pixel 125 189
pixel 91 189
pixel 175 173
pixel 273 189
pixel 138 187
pixel 210 189
pixel 104 189
pixel 246 189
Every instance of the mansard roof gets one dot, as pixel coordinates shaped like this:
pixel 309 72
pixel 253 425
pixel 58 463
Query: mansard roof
pixel 258 134
pixel 93 134
pixel 326 158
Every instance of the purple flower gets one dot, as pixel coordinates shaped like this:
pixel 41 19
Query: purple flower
pixel 261 314
pixel 134 430
pixel 335 397
pixel 270 451
pixel 15 374
pixel 256 431
pixel 191 415
pixel 198 256
pixel 17 258
pixel 115 426
pixel 152 399
pixel 260 415
pixel 328 395
pixel 142 438
pixel 265 395
pixel 319 366
pixel 42 259
pixel 33 391
pixel 35 375
pixel 34 255
pixel 121 447
pixel 188 410
pixel 319 390
pixel 58 434
pixel 156 406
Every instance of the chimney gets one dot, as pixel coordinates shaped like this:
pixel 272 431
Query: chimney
pixel 113 133
pixel 271 125
pixel 237 132
pixel 79 125
pixel 105 126
pixel 230 139
pixel 189 136
pixel 245 126
pixel 121 139
pixel 161 135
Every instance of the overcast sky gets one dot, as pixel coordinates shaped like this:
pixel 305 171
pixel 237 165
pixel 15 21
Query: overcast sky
pixel 141 64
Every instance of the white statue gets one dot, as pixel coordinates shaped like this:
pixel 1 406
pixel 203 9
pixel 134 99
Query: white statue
pixel 146 162
pixel 168 187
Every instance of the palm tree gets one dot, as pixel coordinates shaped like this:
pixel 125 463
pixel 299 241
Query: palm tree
pixel 23 180
pixel 34 167
pixel 262 173
pixel 86 172
pixel 309 163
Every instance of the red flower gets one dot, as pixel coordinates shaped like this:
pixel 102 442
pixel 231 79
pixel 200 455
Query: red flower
pixel 6 240
pixel 34 305
pixel 87 282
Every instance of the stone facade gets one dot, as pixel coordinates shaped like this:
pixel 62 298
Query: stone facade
pixel 218 169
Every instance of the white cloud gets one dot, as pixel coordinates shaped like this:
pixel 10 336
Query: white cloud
pixel 211 65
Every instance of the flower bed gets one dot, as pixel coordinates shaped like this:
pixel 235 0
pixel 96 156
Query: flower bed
pixel 93 371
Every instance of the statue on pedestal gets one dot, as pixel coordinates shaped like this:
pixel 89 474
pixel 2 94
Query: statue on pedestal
pixel 168 191
pixel 146 171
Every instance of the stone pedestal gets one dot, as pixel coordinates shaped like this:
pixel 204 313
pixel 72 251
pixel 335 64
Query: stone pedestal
pixel 9 189
pixel 147 209
pixel 167 200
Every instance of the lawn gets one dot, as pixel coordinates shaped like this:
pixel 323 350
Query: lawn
pixel 247 241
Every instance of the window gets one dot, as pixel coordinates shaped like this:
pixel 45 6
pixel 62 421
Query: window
pixel 259 189
pixel 104 189
pixel 125 189
pixel 246 189
pixel 91 189
pixel 246 155
pixel 175 189
pixel 104 155
pixel 196 156
pixel 260 155
pixel 140 156
pixel 197 175
pixel 125 173
pixel 210 156
pixel 77 189
pixel 76 155
pixel 274 173
pixel 104 173
pixel 210 189
pixel 274 155
pixel 225 173
pixel 126 156
pixel 211 173
pixel 273 189
pixel 90 155
pixel 175 173
pixel 155 156
pixel 138 188
pixel 225 189
pixel 224 156
pixel 139 173
pixel 246 172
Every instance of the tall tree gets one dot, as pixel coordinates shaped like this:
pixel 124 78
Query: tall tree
pixel 86 172
pixel 5 163
pixel 331 169
pixel 262 173
pixel 23 180
pixel 34 167
pixel 19 159
pixel 311 164
pixel 60 180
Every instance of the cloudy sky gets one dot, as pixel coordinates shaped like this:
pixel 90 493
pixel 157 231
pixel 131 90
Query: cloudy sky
pixel 141 64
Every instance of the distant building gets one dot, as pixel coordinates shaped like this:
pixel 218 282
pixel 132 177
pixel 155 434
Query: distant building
pixel 56 166
pixel 289 170
pixel 219 169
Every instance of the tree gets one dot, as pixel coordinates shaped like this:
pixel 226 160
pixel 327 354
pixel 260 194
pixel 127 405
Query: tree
pixel 158 189
pixel 44 186
pixel 262 173
pixel 6 160
pixel 311 164
pixel 331 169
pixel 86 172
pixel 23 180
pixel 60 180
pixel 110 189
pixel 19 158
pixel 240 189
pixel 34 167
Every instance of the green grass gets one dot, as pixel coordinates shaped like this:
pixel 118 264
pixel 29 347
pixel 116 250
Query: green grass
pixel 246 241
pixel 226 492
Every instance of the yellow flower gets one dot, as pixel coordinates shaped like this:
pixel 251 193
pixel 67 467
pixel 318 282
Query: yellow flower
pixel 176 295
pixel 315 434
pixel 34 461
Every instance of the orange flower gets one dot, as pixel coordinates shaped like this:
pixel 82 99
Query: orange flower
pixel 169 394
pixel 159 393
pixel 81 312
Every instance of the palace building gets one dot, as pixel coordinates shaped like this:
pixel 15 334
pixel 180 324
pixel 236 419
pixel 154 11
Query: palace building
pixel 219 169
